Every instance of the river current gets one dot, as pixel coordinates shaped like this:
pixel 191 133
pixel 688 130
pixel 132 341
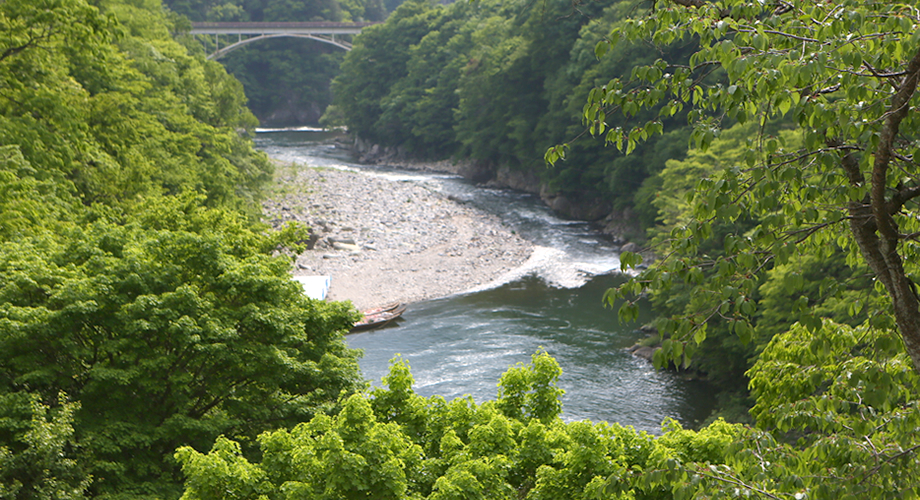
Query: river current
pixel 461 344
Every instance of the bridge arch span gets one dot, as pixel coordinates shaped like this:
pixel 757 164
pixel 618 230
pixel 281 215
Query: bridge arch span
pixel 246 41
pixel 324 32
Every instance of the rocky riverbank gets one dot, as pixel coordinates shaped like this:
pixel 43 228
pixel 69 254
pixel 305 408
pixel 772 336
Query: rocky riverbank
pixel 383 240
pixel 618 224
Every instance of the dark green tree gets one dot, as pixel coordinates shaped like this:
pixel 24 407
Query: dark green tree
pixel 849 180
pixel 169 330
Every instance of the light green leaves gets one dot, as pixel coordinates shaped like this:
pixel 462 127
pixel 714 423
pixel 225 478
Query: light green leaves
pixel 37 459
pixel 530 392
pixel 188 309
pixel 555 154
pixel 812 100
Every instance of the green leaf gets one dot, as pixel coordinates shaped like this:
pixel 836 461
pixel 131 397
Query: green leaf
pixel 601 48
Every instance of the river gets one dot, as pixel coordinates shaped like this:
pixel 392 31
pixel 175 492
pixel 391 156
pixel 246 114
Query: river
pixel 462 344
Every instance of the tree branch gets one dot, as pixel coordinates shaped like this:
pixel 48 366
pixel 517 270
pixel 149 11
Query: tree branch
pixel 33 41
pixel 901 197
pixel 883 155
pixel 892 458
pixel 739 483
pixel 876 74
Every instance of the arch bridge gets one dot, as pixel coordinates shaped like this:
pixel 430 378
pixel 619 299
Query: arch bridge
pixel 246 33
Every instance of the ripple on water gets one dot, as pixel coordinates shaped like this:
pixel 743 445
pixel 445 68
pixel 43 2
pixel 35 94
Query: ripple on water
pixel 463 344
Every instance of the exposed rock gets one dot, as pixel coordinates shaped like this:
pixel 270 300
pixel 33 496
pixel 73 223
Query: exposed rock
pixel 311 241
pixel 644 352
pixel 620 222
pixel 521 180
pixel 585 209
pixel 630 247
pixel 346 246
pixel 613 223
pixel 649 329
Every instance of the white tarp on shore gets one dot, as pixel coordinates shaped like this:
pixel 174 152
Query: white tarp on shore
pixel 315 287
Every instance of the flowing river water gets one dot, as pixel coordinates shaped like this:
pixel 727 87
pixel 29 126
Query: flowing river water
pixel 461 344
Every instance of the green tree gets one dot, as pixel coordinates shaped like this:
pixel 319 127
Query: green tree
pixel 108 105
pixel 393 443
pixel 38 462
pixel 375 64
pixel 167 322
pixel 845 75
pixel 835 414
pixel 835 419
pixel 494 82
pixel 287 80
pixel 171 327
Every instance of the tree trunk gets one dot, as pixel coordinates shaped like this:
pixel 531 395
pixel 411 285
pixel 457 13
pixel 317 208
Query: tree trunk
pixel 873 226
pixel 883 258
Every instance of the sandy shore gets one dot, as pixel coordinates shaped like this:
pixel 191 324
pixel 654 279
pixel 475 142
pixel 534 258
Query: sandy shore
pixel 382 240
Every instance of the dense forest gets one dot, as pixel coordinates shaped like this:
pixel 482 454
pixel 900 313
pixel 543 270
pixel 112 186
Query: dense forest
pixel 496 83
pixel 141 305
pixel 153 344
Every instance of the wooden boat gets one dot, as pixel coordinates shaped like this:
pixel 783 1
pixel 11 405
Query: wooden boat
pixel 381 309
pixel 379 316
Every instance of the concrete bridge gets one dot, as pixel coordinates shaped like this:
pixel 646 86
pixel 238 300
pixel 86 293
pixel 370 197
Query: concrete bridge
pixel 246 33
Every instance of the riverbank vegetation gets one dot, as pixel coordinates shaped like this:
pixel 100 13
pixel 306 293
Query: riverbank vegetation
pixel 146 316
pixel 141 306
pixel 392 444
pixel 495 83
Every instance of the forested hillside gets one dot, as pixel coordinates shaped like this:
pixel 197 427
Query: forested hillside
pixel 499 82
pixel 141 306
pixel 286 79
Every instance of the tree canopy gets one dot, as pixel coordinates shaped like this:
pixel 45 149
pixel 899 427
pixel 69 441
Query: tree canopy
pixel 842 78
pixel 392 443
pixel 146 316
pixel 493 83
pixel 142 304
pixel 286 79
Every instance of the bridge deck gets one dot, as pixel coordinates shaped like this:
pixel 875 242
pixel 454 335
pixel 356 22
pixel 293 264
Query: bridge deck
pixel 315 28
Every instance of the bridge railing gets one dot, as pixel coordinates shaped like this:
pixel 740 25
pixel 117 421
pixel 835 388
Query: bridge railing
pixel 312 28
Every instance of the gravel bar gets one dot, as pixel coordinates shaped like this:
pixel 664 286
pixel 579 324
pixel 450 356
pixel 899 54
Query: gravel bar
pixel 385 241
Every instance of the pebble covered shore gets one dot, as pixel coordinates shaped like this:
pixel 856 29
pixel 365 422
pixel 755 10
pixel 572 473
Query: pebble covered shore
pixel 383 241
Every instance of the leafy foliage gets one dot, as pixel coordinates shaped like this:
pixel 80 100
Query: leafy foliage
pixel 493 82
pixel 181 307
pixel 133 277
pixel 116 111
pixel 395 444
pixel 843 177
pixel 40 462
pixel 834 411
pixel 287 80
